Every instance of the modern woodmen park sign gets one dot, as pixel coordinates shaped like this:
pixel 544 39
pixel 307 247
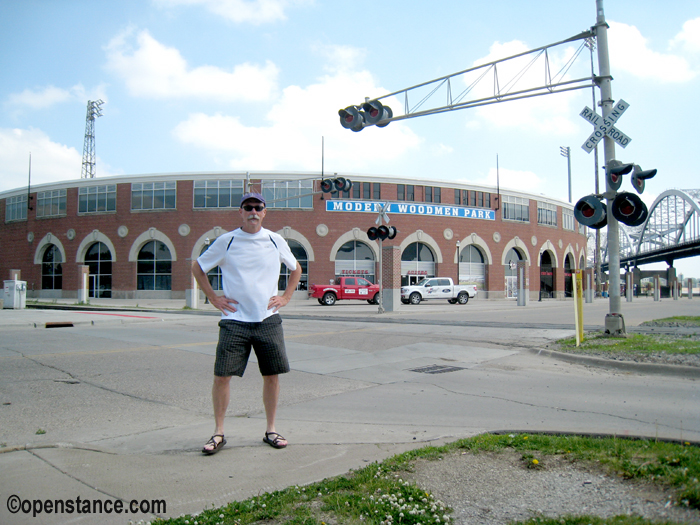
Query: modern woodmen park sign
pixel 426 209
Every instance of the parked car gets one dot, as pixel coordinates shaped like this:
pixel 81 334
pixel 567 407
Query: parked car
pixel 437 288
pixel 345 288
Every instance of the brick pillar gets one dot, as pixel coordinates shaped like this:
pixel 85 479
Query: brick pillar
pixel 83 284
pixel 391 278
pixel 523 273
pixel 589 284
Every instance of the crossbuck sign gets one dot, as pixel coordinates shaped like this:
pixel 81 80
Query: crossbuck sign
pixel 605 126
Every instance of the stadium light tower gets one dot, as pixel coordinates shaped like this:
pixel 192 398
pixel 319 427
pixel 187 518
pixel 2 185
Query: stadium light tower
pixel 94 110
pixel 566 152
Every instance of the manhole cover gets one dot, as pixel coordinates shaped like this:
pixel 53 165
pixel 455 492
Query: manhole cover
pixel 436 369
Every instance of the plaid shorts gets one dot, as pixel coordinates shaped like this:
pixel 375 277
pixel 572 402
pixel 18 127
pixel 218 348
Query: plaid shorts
pixel 236 339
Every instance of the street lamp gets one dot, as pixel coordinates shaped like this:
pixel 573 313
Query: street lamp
pixel 457 262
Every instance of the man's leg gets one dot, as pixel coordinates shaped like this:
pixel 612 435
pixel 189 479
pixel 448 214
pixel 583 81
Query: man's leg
pixel 220 395
pixel 271 394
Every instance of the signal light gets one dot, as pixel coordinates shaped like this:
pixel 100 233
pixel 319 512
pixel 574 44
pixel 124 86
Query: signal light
pixel 375 112
pixel 381 233
pixel 336 185
pixel 590 211
pixel 614 172
pixel 628 208
pixel 639 176
pixel 352 118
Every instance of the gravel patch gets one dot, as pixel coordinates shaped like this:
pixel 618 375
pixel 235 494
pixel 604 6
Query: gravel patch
pixel 497 488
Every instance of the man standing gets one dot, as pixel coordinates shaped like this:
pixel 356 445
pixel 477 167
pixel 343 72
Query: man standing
pixel 249 258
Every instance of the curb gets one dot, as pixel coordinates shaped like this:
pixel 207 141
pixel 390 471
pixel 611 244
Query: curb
pixel 685 372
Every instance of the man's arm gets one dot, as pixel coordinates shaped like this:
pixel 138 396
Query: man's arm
pixel 218 301
pixel 278 301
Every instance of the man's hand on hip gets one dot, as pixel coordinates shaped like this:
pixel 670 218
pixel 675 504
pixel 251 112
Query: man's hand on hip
pixel 223 303
pixel 277 302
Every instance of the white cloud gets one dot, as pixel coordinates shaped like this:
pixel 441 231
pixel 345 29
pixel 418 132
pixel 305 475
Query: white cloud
pixel 525 181
pixel 251 11
pixel 290 138
pixel 50 95
pixel 689 37
pixel 51 162
pixel 39 99
pixel 151 69
pixel 544 114
pixel 629 51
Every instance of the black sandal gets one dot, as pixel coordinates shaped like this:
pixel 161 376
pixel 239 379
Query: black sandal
pixel 276 441
pixel 218 445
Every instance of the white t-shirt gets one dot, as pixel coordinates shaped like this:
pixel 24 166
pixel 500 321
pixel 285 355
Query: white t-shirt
pixel 250 269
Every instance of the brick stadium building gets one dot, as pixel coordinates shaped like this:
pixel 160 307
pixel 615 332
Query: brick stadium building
pixel 139 234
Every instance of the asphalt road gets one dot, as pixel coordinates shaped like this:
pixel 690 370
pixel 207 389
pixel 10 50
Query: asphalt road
pixel 118 405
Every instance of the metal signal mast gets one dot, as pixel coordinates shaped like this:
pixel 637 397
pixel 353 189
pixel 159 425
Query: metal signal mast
pixel 94 110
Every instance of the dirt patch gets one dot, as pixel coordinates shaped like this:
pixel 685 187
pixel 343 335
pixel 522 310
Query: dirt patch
pixel 496 488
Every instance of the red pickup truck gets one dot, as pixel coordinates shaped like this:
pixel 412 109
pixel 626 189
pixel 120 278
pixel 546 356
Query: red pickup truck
pixel 345 288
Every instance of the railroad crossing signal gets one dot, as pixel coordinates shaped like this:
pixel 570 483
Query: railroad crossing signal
pixel 382 233
pixel 639 176
pixel 614 172
pixel 370 113
pixel 591 211
pixel 335 185
pixel 626 207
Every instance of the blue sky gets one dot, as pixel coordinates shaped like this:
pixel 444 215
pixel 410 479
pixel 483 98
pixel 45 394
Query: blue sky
pixel 220 85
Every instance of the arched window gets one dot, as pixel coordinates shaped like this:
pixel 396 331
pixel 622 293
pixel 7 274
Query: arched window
pixel 99 259
pixel 51 269
pixel 417 261
pixel 355 258
pixel 154 267
pixel 302 258
pixel 568 282
pixel 214 275
pixel 472 269
pixel 546 275
pixel 513 257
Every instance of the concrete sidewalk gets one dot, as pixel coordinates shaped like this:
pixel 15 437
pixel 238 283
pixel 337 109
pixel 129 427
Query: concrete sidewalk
pixel 123 427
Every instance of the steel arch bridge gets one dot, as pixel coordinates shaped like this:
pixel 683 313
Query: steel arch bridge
pixel 671 231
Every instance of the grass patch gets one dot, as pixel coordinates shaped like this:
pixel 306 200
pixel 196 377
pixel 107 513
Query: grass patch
pixel 681 320
pixel 635 344
pixel 378 495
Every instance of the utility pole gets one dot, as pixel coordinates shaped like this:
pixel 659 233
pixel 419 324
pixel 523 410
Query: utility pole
pixel 590 44
pixel 94 110
pixel 604 81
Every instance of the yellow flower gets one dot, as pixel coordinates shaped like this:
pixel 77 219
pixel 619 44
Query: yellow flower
pixel 524 437
pixel 535 462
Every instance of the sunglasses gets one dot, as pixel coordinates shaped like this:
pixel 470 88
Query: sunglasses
pixel 250 207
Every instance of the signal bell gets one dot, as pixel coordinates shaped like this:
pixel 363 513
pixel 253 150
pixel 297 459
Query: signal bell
pixel 590 211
